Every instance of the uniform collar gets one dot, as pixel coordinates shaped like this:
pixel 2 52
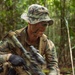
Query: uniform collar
pixel 26 36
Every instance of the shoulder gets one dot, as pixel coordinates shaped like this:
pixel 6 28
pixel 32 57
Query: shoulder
pixel 19 31
pixel 49 43
pixel 11 33
pixel 44 37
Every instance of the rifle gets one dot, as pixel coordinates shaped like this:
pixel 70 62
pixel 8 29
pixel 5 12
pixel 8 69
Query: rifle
pixel 37 56
pixel 33 68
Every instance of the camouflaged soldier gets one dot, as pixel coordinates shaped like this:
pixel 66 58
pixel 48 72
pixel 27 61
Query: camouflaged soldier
pixel 38 19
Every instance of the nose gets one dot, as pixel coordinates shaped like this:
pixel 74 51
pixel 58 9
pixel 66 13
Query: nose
pixel 42 29
pixel 40 34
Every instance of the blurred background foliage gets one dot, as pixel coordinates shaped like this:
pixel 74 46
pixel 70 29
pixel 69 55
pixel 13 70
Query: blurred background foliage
pixel 11 10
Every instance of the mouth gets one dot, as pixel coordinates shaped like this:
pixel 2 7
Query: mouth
pixel 40 34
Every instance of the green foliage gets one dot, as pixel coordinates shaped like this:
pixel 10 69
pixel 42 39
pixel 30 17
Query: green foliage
pixel 11 10
pixel 57 4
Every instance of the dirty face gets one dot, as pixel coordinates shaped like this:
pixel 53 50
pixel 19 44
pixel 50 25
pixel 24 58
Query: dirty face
pixel 38 29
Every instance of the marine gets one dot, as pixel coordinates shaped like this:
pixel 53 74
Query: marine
pixel 38 19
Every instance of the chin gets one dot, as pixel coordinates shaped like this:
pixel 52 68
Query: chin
pixel 40 36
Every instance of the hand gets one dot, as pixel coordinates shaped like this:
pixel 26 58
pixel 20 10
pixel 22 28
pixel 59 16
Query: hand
pixel 16 60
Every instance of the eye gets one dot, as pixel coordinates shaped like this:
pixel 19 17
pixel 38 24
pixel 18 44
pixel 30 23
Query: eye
pixel 44 24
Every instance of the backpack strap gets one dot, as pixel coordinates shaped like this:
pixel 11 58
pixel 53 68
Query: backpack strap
pixel 42 44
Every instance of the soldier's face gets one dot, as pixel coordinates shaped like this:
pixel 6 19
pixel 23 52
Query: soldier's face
pixel 38 29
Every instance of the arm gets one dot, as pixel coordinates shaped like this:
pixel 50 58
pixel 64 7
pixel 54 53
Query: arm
pixel 4 58
pixel 51 58
pixel 3 51
pixel 3 46
pixel 15 60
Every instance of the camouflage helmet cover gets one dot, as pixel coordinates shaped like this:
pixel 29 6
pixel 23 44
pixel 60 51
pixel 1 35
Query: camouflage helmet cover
pixel 37 13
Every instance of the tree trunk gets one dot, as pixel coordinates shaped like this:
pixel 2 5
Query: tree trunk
pixel 64 57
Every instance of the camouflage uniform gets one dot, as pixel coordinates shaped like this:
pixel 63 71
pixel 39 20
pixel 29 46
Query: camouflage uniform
pixel 46 47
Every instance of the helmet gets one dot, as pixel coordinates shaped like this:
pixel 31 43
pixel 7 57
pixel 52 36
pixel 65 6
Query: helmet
pixel 37 13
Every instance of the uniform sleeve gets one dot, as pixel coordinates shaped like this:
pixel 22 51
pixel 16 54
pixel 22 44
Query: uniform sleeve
pixel 3 58
pixel 51 57
pixel 4 46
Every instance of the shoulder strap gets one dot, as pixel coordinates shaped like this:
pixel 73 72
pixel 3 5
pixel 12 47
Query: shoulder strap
pixel 42 44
